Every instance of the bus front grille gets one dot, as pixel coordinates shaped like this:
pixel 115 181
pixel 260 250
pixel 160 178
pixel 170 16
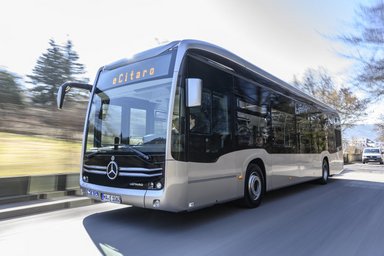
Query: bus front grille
pixel 126 177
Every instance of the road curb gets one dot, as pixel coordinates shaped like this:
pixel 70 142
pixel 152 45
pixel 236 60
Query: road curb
pixel 42 206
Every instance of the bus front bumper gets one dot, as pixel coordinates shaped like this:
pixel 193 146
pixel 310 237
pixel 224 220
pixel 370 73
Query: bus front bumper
pixel 151 199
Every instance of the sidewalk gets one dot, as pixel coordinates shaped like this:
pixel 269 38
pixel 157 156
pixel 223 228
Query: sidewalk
pixel 349 174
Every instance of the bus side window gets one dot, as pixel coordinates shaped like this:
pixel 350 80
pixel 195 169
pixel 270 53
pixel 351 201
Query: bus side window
pixel 283 124
pixel 252 126
pixel 209 134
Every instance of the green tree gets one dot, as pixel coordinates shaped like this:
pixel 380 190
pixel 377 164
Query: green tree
pixel 320 85
pixel 73 69
pixel 10 89
pixel 57 65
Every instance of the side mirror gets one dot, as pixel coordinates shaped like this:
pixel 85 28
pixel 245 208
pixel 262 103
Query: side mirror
pixel 194 91
pixel 66 87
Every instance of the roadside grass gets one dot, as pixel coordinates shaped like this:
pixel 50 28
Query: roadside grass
pixel 22 155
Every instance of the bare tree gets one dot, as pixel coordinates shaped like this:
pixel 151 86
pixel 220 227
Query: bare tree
pixel 379 127
pixel 319 84
pixel 367 42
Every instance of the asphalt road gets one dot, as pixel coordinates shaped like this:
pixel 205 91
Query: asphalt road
pixel 344 217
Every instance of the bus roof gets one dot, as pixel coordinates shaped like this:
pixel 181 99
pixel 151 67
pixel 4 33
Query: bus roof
pixel 189 44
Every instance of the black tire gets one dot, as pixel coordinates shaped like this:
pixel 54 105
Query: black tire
pixel 325 172
pixel 254 186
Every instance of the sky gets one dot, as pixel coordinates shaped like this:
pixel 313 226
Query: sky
pixel 283 37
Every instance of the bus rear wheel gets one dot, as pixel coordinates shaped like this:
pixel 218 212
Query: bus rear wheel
pixel 325 173
pixel 254 187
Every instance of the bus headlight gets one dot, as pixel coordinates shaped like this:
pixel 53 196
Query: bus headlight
pixel 155 185
pixel 159 185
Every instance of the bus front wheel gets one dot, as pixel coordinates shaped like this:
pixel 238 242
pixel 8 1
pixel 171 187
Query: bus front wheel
pixel 254 187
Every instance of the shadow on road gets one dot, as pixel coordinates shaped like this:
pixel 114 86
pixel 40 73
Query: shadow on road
pixel 136 231
pixel 343 217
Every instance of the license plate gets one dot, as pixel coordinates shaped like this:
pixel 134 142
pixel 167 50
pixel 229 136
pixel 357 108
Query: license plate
pixel 93 194
pixel 111 198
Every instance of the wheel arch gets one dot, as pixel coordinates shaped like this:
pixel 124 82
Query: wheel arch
pixel 261 164
pixel 326 158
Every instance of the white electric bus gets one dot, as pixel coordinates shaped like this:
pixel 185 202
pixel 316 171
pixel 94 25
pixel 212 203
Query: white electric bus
pixel 189 124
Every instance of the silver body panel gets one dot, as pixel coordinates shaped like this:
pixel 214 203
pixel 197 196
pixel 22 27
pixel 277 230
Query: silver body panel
pixel 190 186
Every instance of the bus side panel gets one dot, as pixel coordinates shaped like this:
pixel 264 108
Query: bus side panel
pixel 174 195
pixel 211 183
pixel 336 163
pixel 287 169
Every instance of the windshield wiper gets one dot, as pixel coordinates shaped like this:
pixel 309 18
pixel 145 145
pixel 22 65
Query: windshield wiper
pixel 132 149
pixel 117 147
pixel 99 150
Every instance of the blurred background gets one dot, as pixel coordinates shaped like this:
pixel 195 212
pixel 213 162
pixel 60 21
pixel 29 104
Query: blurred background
pixel 333 50
pixel 36 139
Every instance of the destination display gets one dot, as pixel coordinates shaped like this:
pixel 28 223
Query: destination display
pixel 136 72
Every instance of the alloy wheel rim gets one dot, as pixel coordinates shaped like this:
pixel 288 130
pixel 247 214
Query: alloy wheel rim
pixel 254 186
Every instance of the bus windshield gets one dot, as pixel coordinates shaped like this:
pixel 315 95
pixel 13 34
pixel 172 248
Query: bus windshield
pixel 129 118
pixel 129 109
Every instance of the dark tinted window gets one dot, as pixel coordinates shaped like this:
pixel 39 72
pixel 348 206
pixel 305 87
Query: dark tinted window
pixel 240 113
pixel 372 150
pixel 334 133
pixel 178 125
pixel 283 124
pixel 209 124
pixel 252 124
pixel 338 133
pixel 319 132
pixel 304 127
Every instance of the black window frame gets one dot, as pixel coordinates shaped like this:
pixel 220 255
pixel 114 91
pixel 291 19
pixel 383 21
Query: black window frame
pixel 237 72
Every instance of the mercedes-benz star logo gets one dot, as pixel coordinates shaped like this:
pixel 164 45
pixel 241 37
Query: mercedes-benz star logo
pixel 112 169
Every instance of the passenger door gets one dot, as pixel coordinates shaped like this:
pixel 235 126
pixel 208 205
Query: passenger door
pixel 211 170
